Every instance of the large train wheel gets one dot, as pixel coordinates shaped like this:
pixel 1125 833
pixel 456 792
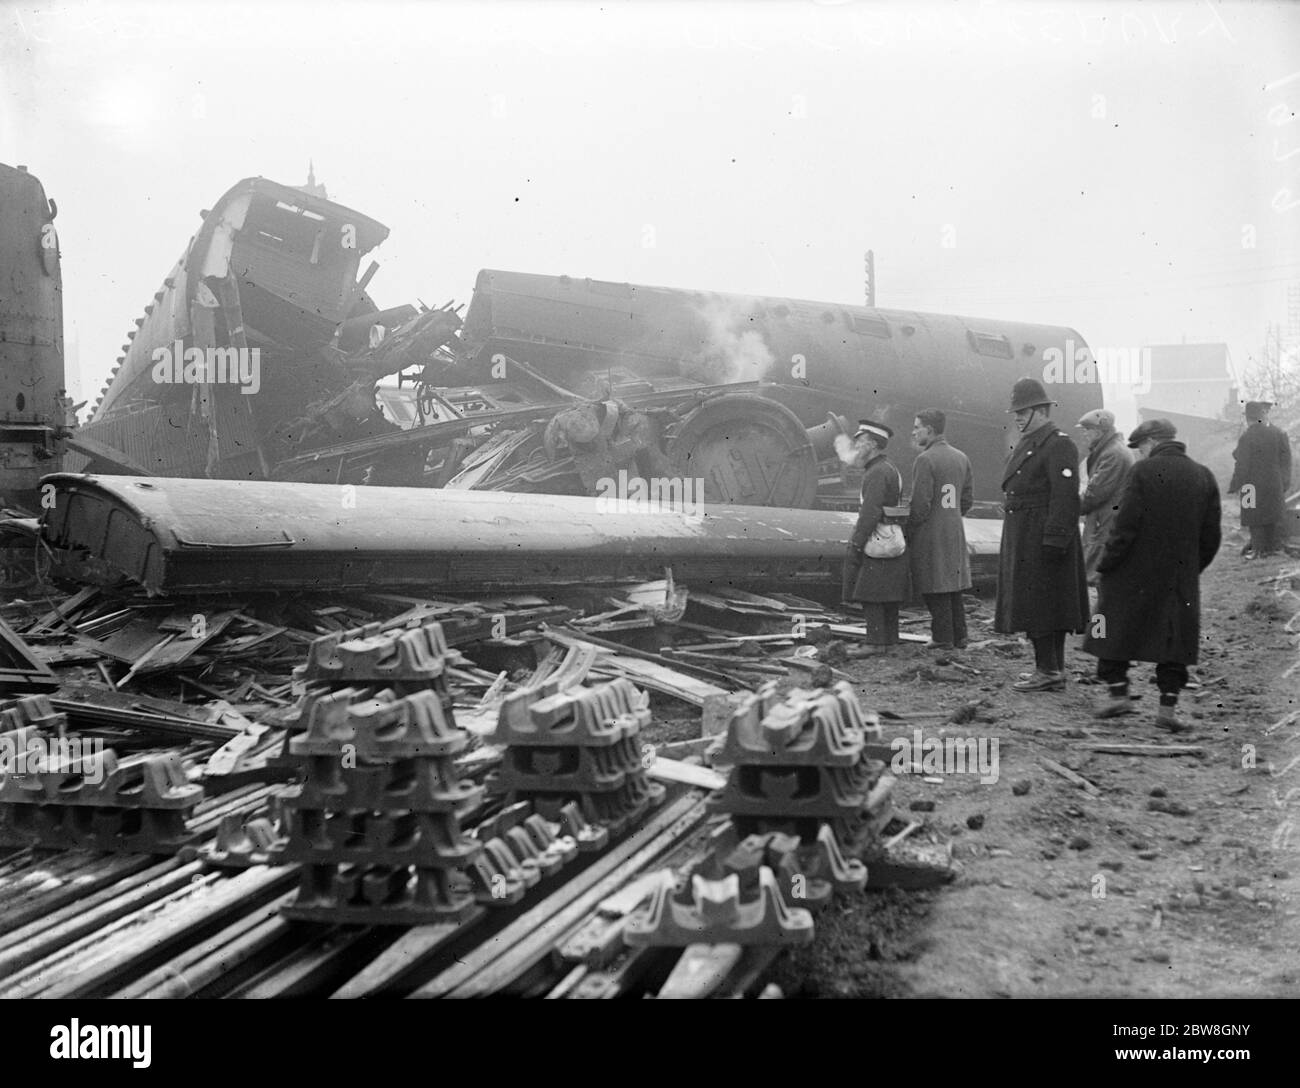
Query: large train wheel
pixel 748 450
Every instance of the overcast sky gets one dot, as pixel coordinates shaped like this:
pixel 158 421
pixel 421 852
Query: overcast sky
pixel 1129 169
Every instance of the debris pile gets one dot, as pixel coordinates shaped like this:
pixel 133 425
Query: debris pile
pixel 577 747
pixel 800 784
pixel 449 762
pixel 72 795
pixel 717 915
pixel 377 823
pixel 520 849
pixel 801 761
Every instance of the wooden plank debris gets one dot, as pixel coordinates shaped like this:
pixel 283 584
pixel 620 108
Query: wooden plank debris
pixel 84 926
pixel 658 678
pixel 673 770
pixel 701 971
pixel 1147 749
pixel 1078 780
pixel 524 942
pixel 20 669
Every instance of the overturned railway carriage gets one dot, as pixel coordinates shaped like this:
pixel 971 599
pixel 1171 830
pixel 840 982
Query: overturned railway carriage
pixel 553 384
pixel 810 357
pixel 268 290
pixel 32 408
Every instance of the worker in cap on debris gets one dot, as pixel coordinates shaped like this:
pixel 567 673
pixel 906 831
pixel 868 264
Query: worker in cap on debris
pixel 1263 477
pixel 1107 464
pixel 876 570
pixel 936 537
pixel 1041 588
pixel 1165 533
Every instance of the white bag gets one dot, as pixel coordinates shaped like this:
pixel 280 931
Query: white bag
pixel 886 541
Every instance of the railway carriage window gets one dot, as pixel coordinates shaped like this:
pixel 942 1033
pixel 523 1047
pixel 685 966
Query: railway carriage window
pixel 284 227
pixel 871 326
pixel 991 344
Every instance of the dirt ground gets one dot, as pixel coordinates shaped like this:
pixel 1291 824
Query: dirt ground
pixel 1063 894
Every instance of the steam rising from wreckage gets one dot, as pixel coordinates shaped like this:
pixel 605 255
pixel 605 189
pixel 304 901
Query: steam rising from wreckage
pixel 550 384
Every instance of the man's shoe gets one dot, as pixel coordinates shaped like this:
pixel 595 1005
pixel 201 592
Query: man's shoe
pixel 1167 718
pixel 932 645
pixel 1041 681
pixel 960 644
pixel 1117 706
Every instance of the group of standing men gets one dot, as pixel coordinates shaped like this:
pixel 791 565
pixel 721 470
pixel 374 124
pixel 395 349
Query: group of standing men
pixel 1151 526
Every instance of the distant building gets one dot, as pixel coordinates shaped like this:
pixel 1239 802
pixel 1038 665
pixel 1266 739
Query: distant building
pixel 1189 380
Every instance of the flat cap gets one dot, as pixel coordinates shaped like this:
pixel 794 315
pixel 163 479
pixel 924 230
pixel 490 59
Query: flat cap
pixel 1100 419
pixel 1152 428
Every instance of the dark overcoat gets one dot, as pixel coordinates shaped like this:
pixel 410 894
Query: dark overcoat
pixel 876 581
pixel 1108 467
pixel 1263 457
pixel 1165 533
pixel 936 538
pixel 1041 586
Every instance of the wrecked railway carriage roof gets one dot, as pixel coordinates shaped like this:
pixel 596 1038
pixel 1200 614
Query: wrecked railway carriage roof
pixel 178 535
pixel 257 225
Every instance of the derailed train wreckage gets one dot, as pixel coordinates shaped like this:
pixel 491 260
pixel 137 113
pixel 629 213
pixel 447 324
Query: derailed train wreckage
pixel 549 384
pixel 36 415
pixel 546 387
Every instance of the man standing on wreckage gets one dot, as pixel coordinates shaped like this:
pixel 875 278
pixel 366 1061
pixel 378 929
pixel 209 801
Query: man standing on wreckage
pixel 1165 534
pixel 1041 588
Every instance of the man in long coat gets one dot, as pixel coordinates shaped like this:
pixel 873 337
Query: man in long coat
pixel 881 585
pixel 1263 476
pixel 1041 588
pixel 936 537
pixel 1149 606
pixel 1108 464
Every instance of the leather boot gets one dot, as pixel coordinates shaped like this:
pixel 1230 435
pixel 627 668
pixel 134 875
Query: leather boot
pixel 1118 705
pixel 1041 681
pixel 1167 718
